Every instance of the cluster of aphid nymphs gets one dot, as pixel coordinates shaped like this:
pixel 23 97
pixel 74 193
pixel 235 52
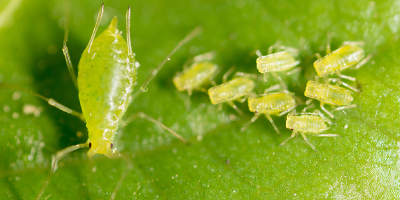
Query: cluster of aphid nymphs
pixel 280 102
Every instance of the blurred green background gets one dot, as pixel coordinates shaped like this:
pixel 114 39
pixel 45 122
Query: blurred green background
pixel 221 162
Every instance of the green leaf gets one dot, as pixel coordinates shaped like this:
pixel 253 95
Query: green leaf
pixel 221 162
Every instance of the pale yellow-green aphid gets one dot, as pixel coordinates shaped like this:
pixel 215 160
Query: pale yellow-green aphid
pixel 349 54
pixel 283 60
pixel 278 103
pixel 329 94
pixel 106 77
pixel 236 89
pixel 200 73
pixel 307 123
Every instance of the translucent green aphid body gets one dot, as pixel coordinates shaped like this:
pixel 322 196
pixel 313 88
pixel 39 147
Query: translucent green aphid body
pixel 106 77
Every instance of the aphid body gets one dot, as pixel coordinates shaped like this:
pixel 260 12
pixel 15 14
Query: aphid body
pixel 270 104
pixel 329 94
pixel 280 61
pixel 197 75
pixel 106 77
pixel 342 58
pixel 307 123
pixel 231 90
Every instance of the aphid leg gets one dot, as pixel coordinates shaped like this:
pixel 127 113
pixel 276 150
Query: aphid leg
pixel 154 72
pixel 327 135
pixel 308 142
pixel 317 112
pixel 294 70
pixel 227 73
pixel 253 119
pixel 230 103
pixel 289 138
pixel 365 60
pixel 258 53
pixel 276 45
pixel 346 107
pixel 265 77
pixel 272 88
pixel 345 77
pixel 68 58
pixel 350 87
pixel 50 101
pixel 328 43
pixel 318 56
pixel 284 86
pixel 247 75
pixel 96 26
pixel 148 118
pixel 287 111
pixel 245 97
pixel 272 122
pixel 204 57
pixel 325 110
pixel 54 161
pixel 357 43
pixel 307 107
pixel 123 176
pixel 220 106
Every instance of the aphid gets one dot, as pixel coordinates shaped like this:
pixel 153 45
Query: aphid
pixel 307 123
pixel 283 60
pixel 329 94
pixel 232 90
pixel 106 76
pixel 197 75
pixel 269 104
pixel 351 53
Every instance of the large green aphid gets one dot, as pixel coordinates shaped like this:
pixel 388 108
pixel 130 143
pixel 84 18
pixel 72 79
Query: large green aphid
pixel 106 77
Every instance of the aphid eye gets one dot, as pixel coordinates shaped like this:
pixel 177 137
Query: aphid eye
pixel 90 145
pixel 292 129
pixel 111 145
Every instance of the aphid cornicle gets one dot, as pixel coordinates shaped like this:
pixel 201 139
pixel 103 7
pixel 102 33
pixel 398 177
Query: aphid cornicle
pixel 350 54
pixel 307 123
pixel 283 60
pixel 329 94
pixel 278 103
pixel 197 75
pixel 106 76
pixel 232 90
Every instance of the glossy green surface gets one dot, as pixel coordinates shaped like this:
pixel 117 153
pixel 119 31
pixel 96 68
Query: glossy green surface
pixel 221 161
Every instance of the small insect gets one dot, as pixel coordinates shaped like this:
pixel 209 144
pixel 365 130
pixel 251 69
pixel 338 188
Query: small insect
pixel 307 123
pixel 232 90
pixel 329 94
pixel 349 54
pixel 269 104
pixel 283 60
pixel 106 76
pixel 197 75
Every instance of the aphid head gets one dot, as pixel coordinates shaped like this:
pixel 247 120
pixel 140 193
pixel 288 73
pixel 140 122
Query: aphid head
pixel 102 146
pixel 290 122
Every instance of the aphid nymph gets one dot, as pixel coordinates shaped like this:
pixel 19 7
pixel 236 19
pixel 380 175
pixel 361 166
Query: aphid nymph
pixel 329 94
pixel 200 72
pixel 307 123
pixel 282 60
pixel 236 89
pixel 106 77
pixel 278 103
pixel 349 54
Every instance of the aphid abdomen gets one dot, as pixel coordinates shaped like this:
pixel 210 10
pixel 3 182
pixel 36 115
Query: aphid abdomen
pixel 195 76
pixel 271 103
pixel 329 94
pixel 279 61
pixel 306 123
pixel 231 90
pixel 106 78
pixel 342 58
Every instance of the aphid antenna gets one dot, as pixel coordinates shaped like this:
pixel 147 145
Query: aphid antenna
pixel 71 70
pixel 258 53
pixel 128 30
pixel 154 72
pixel 355 43
pixel 123 176
pixel 205 56
pixel 227 73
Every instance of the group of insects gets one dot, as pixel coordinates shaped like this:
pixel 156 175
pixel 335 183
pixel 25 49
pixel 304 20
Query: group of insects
pixel 108 59
pixel 281 59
